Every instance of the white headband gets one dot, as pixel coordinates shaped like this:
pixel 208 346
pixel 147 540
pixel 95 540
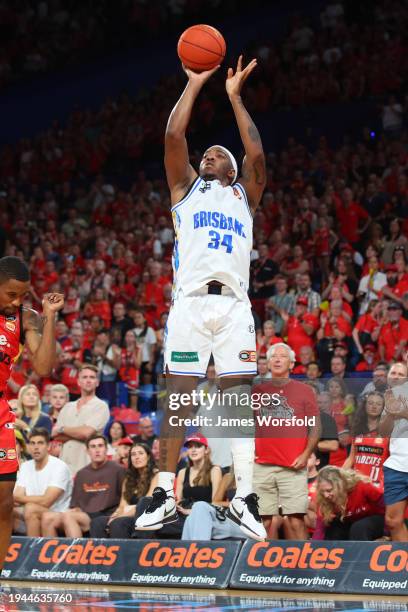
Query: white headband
pixel 231 158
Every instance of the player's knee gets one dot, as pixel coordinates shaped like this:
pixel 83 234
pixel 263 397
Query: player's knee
pixel 393 520
pixel 6 507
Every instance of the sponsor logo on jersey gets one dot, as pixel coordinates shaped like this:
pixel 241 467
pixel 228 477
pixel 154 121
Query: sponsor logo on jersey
pixel 248 356
pixel 184 357
pixel 11 454
pixel 3 454
pixel 3 340
pixel 10 326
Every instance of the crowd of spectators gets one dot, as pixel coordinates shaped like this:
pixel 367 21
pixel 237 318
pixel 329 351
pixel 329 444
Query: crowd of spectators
pixel 51 35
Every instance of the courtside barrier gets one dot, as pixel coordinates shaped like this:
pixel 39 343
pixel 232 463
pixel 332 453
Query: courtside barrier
pixel 339 567
pixel 136 562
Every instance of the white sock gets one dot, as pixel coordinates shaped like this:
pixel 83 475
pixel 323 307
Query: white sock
pixel 166 482
pixel 243 458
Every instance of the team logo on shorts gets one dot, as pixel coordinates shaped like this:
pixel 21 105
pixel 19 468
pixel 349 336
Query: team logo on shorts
pixel 248 356
pixel 11 454
pixel 251 329
pixel 3 454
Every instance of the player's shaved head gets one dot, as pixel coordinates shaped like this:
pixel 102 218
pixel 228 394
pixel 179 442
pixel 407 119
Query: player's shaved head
pixel 13 268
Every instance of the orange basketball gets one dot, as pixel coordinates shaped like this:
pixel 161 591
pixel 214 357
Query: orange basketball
pixel 201 47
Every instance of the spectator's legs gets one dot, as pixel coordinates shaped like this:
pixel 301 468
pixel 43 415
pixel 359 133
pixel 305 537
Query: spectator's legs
pixel 50 523
pixel 32 516
pixel 394 520
pixel 98 527
pixel 272 524
pixel 122 527
pixel 6 517
pixel 367 529
pixel 296 528
pixel 199 523
pixel 76 523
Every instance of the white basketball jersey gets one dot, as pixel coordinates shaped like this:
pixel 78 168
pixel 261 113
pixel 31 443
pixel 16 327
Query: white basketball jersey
pixel 213 238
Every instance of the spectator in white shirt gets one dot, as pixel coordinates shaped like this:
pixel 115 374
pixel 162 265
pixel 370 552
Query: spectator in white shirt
pixel 371 284
pixel 44 483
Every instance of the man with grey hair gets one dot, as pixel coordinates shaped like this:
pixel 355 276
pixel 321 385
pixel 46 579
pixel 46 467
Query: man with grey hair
pixel 287 431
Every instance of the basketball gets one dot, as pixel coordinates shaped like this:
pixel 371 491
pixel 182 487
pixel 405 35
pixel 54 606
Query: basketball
pixel 201 47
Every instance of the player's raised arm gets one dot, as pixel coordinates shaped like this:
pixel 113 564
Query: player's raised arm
pixel 253 167
pixel 179 171
pixel 40 333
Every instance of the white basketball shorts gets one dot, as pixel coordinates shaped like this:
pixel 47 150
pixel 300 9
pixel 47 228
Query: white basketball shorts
pixel 201 324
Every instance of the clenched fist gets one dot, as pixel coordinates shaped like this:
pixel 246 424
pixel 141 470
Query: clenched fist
pixel 52 303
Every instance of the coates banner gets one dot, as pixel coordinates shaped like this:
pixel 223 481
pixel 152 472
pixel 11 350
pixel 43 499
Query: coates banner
pixel 140 562
pixel 341 567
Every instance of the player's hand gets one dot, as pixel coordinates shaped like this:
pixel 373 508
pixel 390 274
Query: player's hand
pixel 199 78
pixel 52 303
pixel 234 82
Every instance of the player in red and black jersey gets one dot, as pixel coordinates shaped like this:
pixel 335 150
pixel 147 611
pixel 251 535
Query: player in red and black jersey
pixel 19 326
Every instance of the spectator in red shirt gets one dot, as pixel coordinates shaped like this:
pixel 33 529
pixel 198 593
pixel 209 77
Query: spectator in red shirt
pixel 300 327
pixel 394 335
pixel 280 474
pixel 99 305
pixel 349 214
pixel 306 356
pixel 369 361
pixel 348 506
pixel 368 326
pixel 267 338
pixel 334 324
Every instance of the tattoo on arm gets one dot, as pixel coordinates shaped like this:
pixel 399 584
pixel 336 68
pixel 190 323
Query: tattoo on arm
pixel 253 133
pixel 260 171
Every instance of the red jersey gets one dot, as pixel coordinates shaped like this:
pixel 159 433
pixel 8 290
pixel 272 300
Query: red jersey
pixel 11 341
pixel 370 454
pixel 281 441
pixel 348 219
pixel 297 337
pixel 391 336
pixel 364 500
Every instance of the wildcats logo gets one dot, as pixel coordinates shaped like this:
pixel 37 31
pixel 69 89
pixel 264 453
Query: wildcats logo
pixel 248 356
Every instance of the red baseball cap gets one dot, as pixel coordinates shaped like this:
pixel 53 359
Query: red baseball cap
pixel 197 437
pixel 126 441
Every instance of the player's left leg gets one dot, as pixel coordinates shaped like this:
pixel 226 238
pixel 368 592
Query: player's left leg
pixel 7 483
pixel 234 352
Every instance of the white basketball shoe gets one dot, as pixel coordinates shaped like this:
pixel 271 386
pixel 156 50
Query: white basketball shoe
pixel 245 513
pixel 160 511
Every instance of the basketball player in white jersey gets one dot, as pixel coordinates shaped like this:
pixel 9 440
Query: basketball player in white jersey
pixel 211 312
